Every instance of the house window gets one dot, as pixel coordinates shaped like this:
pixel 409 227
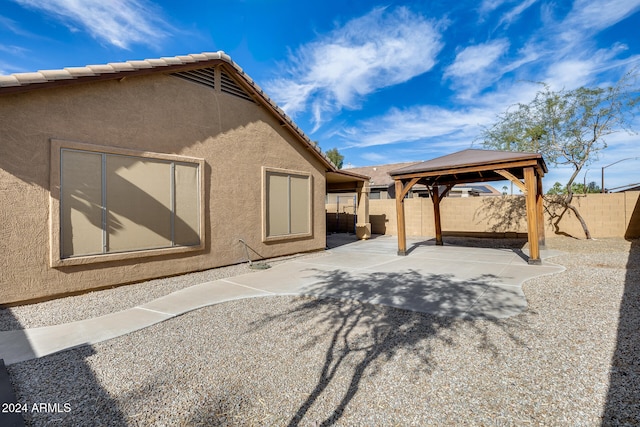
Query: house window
pixel 114 204
pixel 287 204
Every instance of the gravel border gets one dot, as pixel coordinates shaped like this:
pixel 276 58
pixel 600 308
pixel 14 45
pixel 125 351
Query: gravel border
pixel 567 360
pixel 98 303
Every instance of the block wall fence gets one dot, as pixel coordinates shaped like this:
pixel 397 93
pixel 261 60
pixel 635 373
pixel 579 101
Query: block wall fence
pixel 606 215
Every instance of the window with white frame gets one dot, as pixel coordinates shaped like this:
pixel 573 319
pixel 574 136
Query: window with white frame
pixel 114 202
pixel 287 204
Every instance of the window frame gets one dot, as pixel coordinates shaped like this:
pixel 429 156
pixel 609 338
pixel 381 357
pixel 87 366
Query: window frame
pixel 265 204
pixel 55 213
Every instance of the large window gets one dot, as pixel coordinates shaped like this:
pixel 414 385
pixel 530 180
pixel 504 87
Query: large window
pixel 114 203
pixel 287 204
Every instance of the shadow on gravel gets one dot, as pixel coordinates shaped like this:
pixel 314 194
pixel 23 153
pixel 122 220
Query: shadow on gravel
pixel 45 391
pixel 364 336
pixel 623 399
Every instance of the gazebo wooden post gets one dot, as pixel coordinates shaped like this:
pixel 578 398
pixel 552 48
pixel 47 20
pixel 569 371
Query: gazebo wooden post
pixel 531 184
pixel 402 235
pixel 435 195
pixel 540 208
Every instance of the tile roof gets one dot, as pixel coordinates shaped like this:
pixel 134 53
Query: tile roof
pixel 380 178
pixel 69 73
pixel 20 82
pixel 380 173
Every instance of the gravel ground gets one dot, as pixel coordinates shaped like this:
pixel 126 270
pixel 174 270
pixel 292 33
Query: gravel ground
pixel 99 303
pixel 566 360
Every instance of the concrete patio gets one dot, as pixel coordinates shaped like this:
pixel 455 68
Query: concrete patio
pixel 450 281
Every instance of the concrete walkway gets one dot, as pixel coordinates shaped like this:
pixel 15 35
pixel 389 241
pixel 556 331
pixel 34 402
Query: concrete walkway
pixel 452 281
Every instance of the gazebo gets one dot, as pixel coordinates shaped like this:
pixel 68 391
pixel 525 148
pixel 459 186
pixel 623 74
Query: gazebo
pixel 439 175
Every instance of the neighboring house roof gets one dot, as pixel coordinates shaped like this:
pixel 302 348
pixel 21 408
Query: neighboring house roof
pixel 484 189
pixel 380 178
pixel 632 187
pixel 380 173
pixel 23 82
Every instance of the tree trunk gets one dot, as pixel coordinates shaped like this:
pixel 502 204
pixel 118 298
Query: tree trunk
pixel 569 199
pixel 587 234
pixel 568 205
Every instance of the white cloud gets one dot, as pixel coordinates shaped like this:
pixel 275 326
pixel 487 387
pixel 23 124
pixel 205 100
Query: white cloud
pixel 117 22
pixel 418 124
pixel 375 158
pixel 475 59
pixel 515 13
pixel 478 67
pixel 381 49
pixel 434 129
pixel 596 15
pixel 561 52
pixel 488 6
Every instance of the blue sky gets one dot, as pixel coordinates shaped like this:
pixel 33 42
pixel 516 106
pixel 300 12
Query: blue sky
pixel 383 82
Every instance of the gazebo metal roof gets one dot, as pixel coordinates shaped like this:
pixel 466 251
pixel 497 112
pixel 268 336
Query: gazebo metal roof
pixel 472 165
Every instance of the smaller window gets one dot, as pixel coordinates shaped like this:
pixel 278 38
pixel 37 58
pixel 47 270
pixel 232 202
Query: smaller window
pixel 287 207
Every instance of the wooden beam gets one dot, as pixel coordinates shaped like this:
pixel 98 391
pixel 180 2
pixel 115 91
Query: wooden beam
pixel 436 215
pixel 406 188
pixel 402 235
pixel 530 182
pixel 343 186
pixel 540 212
pixel 464 181
pixel 512 178
pixel 469 169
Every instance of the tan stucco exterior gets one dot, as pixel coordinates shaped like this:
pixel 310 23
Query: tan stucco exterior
pixel 157 113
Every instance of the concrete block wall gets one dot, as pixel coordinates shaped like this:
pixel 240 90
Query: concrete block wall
pixel 606 215
pixel 382 215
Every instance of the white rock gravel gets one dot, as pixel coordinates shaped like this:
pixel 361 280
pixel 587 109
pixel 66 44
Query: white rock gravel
pixel 99 303
pixel 304 361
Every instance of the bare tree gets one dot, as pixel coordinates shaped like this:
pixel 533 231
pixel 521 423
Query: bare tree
pixel 568 127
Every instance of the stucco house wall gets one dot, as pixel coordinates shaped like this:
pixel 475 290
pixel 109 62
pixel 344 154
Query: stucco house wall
pixel 156 113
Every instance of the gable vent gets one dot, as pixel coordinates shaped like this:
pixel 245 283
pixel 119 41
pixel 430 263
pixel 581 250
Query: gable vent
pixel 204 76
pixel 228 85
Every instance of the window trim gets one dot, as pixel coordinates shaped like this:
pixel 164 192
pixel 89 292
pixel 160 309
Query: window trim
pixel 265 206
pixel 55 229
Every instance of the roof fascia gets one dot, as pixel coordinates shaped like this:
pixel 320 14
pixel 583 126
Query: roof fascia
pixel 264 100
